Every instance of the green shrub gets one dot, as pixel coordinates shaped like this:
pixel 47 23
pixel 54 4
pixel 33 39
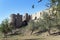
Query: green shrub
pixel 4 28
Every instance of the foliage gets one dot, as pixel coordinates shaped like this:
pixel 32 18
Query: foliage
pixel 39 25
pixel 4 27
pixel 31 25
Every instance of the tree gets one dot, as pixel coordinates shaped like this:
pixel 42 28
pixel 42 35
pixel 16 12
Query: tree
pixel 31 26
pixel 4 27
pixel 54 18
pixel 57 14
pixel 50 21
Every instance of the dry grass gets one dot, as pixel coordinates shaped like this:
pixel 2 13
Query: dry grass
pixel 43 36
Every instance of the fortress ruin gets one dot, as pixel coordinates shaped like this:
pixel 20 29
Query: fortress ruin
pixel 18 20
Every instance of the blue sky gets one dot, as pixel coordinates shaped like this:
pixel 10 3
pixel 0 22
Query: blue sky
pixel 8 7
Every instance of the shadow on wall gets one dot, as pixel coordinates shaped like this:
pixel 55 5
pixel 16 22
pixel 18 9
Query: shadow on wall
pixel 24 23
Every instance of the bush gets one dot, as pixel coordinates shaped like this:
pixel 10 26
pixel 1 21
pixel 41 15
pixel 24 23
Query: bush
pixel 39 25
pixel 4 28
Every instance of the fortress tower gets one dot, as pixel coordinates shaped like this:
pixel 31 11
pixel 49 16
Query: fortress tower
pixel 15 20
pixel 26 17
pixel 12 20
pixel 18 20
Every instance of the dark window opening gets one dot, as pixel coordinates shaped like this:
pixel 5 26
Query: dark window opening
pixel 35 18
